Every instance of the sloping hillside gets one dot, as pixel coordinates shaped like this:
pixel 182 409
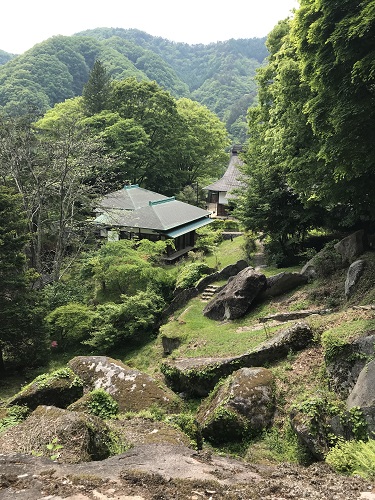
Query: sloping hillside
pixel 219 75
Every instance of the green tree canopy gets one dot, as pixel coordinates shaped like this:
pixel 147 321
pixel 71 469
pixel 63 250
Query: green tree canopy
pixel 336 50
pixel 202 142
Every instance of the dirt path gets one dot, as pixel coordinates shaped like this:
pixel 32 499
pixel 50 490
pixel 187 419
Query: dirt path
pixel 259 260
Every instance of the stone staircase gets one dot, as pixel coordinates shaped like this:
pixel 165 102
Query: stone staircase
pixel 209 292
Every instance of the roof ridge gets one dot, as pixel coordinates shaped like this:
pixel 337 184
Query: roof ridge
pixel 159 202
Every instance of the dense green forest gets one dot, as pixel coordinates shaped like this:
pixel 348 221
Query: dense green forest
pixel 5 57
pixel 219 75
pixel 310 158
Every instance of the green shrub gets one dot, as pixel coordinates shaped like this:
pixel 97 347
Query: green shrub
pixel 102 404
pixel 249 245
pixel 231 225
pixel 209 237
pixel 136 315
pixel 327 261
pixel 14 415
pixel 353 458
pixel 70 323
pixel 284 445
pixel 191 274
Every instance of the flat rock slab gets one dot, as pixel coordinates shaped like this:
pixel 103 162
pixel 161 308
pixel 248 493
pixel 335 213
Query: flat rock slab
pixel 292 315
pixel 198 376
pixel 155 471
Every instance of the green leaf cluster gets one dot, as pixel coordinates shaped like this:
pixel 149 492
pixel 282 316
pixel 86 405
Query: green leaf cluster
pixel 102 404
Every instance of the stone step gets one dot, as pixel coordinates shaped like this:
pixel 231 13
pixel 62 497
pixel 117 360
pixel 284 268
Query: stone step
pixel 209 292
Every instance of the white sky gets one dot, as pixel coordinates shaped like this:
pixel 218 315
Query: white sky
pixel 24 23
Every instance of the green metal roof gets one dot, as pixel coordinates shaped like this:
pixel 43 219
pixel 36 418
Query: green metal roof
pixel 130 198
pixel 188 227
pixel 159 213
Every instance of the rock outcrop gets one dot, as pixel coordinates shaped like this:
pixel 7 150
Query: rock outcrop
pixel 59 388
pixel 351 247
pixel 282 283
pixel 132 389
pixel 59 434
pixel 242 405
pixel 312 432
pixel 344 367
pixel 363 393
pixel 139 431
pixel 172 472
pixel 235 299
pixel 353 275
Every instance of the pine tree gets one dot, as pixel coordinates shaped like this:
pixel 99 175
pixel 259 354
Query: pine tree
pixel 96 91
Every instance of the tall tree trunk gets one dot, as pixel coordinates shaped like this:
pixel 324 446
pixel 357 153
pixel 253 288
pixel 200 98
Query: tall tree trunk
pixel 2 366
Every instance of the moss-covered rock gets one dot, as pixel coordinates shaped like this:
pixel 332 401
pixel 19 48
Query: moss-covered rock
pixel 140 431
pixel 319 423
pixel 344 362
pixel 131 389
pixel 242 405
pixel 59 388
pixel 59 434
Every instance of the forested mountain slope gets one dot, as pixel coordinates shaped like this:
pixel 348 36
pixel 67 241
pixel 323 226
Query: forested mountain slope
pixel 219 75
pixel 5 57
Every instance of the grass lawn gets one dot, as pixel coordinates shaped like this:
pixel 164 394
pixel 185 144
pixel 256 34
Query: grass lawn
pixel 205 337
pixel 228 252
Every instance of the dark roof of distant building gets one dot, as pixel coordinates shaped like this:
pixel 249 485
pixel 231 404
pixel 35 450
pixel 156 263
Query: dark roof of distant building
pixel 231 178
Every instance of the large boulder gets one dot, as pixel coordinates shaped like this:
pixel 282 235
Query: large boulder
pixel 243 405
pixel 351 247
pixel 347 361
pixel 282 283
pixel 198 376
pixel 59 434
pixel 353 275
pixel 233 269
pixel 59 388
pixel 309 271
pixel 323 264
pixel 235 299
pixel 363 393
pixel 225 273
pixel 132 389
